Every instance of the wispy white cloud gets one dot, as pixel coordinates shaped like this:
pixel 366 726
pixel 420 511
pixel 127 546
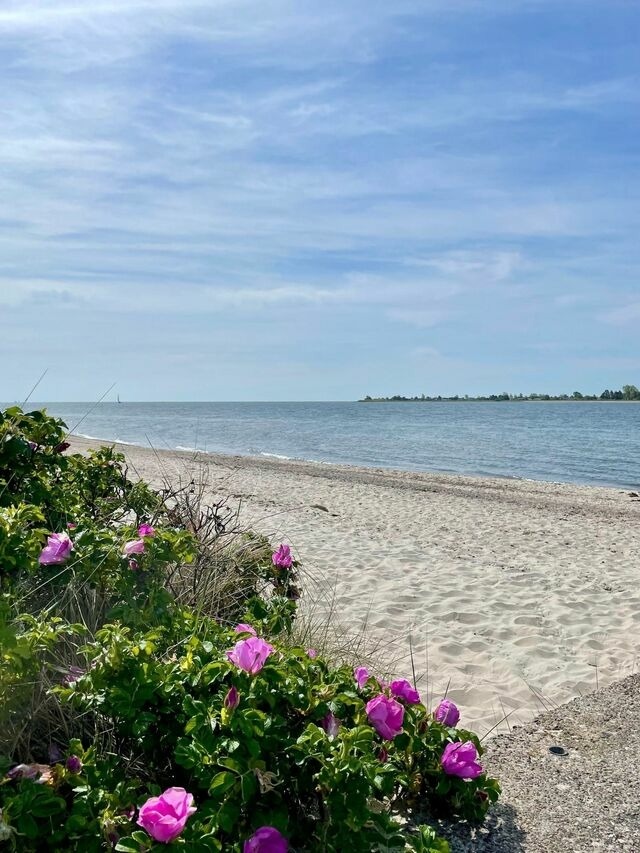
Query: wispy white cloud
pixel 423 319
pixel 368 165
pixel 624 315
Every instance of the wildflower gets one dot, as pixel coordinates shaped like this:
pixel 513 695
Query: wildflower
pixel 24 771
pixel 72 675
pixel 330 723
pixel 71 525
pixel 146 530
pixel 386 716
pixel 266 840
pixel 461 759
pixel 57 550
pixel 133 565
pixel 232 699
pixel 39 773
pixel 165 817
pixel 282 558
pixel 243 628
pixel 447 713
pixel 250 654
pixel 73 764
pixel 361 675
pixel 402 689
pixel 135 546
pixel 312 653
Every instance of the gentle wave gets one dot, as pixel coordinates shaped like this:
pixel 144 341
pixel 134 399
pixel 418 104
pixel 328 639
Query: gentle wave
pixel 110 440
pixel 590 443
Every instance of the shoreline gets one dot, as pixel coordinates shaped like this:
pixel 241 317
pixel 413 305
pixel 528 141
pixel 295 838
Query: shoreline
pixel 511 595
pixel 224 457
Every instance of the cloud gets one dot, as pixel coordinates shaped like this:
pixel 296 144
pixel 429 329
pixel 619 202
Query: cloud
pixel 15 293
pixel 421 318
pixel 568 300
pixel 426 352
pixel 625 315
pixel 354 166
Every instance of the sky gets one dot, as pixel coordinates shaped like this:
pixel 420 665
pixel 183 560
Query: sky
pixel 293 200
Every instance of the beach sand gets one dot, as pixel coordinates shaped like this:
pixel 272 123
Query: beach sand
pixel 514 596
pixel 584 800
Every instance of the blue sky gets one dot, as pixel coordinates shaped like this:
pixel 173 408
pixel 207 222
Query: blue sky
pixel 232 199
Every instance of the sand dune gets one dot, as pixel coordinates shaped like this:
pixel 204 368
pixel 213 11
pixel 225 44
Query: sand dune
pixel 516 595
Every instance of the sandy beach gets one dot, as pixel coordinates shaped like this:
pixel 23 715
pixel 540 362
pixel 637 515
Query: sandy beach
pixel 515 596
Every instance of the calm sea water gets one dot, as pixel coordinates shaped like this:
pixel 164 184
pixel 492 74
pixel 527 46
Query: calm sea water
pixel 572 442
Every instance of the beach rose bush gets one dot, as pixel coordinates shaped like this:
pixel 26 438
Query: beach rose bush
pixel 197 729
pixel 265 736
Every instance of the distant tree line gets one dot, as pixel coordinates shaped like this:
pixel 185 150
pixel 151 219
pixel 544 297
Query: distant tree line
pixel 628 392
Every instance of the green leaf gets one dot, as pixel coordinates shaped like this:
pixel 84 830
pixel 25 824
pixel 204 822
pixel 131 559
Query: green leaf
pixel 128 845
pixel 228 816
pixel 249 786
pixel 46 807
pixel 221 783
pixel 140 836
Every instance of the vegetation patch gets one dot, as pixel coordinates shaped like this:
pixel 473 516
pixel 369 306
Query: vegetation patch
pixel 153 696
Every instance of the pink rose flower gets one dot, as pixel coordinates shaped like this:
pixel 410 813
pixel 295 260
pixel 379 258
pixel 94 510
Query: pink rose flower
pixel 24 771
pixel 135 546
pixel 361 675
pixel 282 558
pixel 447 713
pixel 146 530
pixel 73 674
pixel 402 689
pixel 266 840
pixel 57 550
pixel 386 716
pixel 243 628
pixel 330 723
pixel 165 817
pixel 312 653
pixel 250 654
pixel 461 759
pixel 232 699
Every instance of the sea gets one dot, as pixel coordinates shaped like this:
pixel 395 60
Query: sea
pixel 588 443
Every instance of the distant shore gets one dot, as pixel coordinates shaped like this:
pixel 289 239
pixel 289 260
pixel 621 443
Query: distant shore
pixel 485 400
pixel 626 394
pixel 517 594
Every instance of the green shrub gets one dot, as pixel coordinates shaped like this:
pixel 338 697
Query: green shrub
pixel 123 676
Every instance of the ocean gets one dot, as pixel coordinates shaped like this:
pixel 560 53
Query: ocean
pixel 590 443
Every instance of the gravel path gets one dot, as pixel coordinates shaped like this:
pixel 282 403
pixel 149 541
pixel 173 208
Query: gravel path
pixel 586 801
